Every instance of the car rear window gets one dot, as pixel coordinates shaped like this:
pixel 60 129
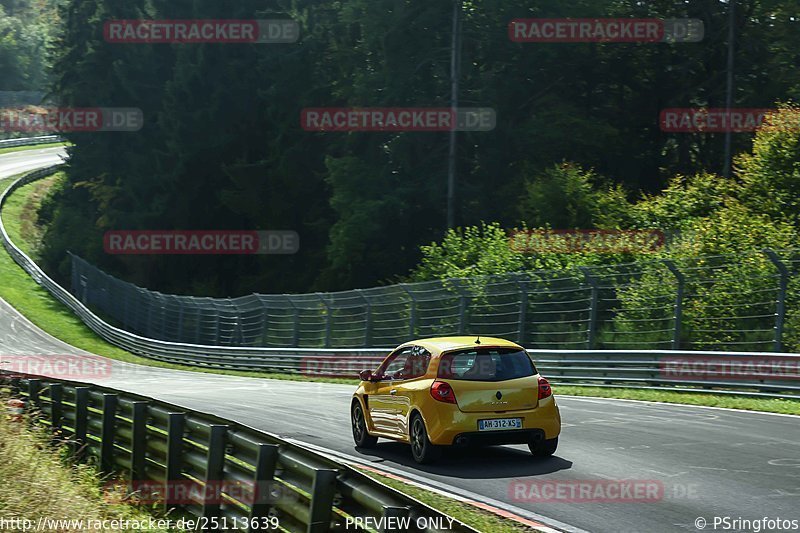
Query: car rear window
pixel 486 364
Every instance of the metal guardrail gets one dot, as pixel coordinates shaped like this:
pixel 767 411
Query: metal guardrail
pixel 29 141
pixel 605 368
pixel 214 468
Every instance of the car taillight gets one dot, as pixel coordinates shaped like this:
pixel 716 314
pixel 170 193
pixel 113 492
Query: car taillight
pixel 443 392
pixel 544 389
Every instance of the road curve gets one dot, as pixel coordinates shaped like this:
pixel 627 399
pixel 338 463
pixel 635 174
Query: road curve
pixel 13 163
pixel 708 462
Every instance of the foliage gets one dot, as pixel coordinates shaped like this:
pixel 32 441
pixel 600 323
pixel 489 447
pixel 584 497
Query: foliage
pixel 222 146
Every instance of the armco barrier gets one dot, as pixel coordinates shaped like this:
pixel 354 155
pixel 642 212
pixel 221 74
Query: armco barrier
pixel 605 368
pixel 217 470
pixel 29 141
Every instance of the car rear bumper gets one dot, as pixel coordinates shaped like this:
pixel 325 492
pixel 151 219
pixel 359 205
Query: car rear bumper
pixel 489 438
pixel 461 429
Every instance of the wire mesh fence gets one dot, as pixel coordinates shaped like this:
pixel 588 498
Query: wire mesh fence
pixel 744 302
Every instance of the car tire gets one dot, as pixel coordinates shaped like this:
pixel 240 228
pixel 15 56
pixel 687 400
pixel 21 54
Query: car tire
pixel 421 448
pixel 361 436
pixel 543 448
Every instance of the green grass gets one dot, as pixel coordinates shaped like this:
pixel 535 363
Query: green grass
pixel 33 147
pixel 39 481
pixel 18 289
pixel 480 519
pixel 788 407
pixel 22 293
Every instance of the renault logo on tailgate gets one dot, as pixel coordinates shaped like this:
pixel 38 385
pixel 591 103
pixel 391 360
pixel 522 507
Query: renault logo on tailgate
pixel 499 395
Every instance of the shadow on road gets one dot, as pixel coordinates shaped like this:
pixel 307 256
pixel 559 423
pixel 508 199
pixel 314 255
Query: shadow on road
pixel 493 462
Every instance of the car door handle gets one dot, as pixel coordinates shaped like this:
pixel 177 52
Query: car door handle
pixel 393 392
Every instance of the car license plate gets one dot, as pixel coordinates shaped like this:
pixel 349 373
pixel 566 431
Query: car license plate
pixel 494 424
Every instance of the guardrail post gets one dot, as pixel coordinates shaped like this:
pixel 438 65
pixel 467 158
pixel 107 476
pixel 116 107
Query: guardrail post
pixel 412 321
pixel 328 320
pixel 323 491
pixel 34 388
pixel 780 311
pixel 592 332
pixel 176 425
pixel 56 406
pixel 15 387
pixel 215 470
pixel 367 319
pixel 266 461
pixel 138 443
pixel 81 419
pixel 678 308
pixel 391 511
pixel 110 402
pixel 523 309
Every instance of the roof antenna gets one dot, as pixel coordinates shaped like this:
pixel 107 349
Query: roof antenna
pixel 478 340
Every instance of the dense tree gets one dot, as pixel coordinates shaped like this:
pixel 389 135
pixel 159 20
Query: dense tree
pixel 223 147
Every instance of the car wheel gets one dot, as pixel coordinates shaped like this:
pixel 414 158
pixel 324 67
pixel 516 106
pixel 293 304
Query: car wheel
pixel 544 448
pixel 421 448
pixel 361 437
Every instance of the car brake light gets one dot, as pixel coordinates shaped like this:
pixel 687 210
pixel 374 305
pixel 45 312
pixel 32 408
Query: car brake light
pixel 443 392
pixel 544 389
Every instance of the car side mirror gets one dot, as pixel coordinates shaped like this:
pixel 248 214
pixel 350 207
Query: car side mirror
pixel 365 375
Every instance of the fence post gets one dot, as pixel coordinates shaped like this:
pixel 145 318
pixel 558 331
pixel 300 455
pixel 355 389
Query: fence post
pixel 780 311
pixel 266 461
pixel 215 470
pixel 199 317
pixel 592 332
pixel 81 419
pixel 523 310
pixel 323 491
pixel 264 322
pixel 412 322
pixel 367 319
pixel 138 443
pixel 678 308
pixel 296 321
pixel 462 309
pixel 109 427
pixel 56 405
pixel 34 388
pixel 175 428
pixel 328 320
pixel 179 329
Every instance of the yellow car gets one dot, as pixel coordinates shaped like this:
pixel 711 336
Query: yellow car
pixel 456 391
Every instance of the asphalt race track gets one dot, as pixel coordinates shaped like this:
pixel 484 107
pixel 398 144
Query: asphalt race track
pixel 12 163
pixel 705 462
